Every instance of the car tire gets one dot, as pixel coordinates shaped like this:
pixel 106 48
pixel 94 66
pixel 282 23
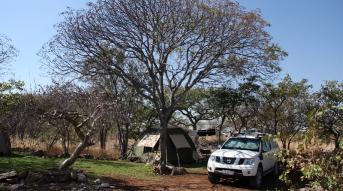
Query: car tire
pixel 276 170
pixel 256 181
pixel 214 179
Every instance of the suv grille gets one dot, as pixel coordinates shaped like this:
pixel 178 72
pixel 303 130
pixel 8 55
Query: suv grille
pixel 225 160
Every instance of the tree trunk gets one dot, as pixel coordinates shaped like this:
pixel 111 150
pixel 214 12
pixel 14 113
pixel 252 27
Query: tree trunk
pixel 64 145
pixel 124 139
pixel 284 144
pixel 85 142
pixel 68 162
pixel 163 144
pixel 194 127
pixel 5 143
pixel 103 137
pixel 289 144
pixel 220 129
pixel 275 122
pixel 337 141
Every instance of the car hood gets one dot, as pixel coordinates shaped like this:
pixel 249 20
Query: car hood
pixel 233 153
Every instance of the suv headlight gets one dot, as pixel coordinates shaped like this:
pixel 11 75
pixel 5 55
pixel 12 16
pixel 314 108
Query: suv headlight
pixel 212 158
pixel 250 161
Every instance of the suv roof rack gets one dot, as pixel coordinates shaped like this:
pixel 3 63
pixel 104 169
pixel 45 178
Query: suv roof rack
pixel 250 135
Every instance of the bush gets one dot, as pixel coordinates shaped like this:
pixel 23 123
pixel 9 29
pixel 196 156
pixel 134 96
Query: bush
pixel 316 169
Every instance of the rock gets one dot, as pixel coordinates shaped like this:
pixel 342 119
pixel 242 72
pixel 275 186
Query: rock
pixel 34 177
pixel 104 185
pixel 8 175
pixel 59 176
pixel 16 186
pixel 97 181
pixel 23 175
pixel 12 180
pixel 73 174
pixel 81 177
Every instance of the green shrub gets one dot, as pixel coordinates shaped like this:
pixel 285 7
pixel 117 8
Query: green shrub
pixel 316 169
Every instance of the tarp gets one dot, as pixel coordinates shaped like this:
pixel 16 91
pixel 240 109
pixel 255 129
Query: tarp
pixel 179 141
pixel 149 141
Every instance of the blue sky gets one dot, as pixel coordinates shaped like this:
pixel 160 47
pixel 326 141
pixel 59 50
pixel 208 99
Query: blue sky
pixel 311 31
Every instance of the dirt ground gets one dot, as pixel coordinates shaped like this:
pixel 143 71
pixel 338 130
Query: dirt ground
pixel 191 181
pixel 195 179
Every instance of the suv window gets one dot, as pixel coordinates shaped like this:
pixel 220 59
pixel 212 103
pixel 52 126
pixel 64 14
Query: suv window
pixel 266 146
pixel 242 144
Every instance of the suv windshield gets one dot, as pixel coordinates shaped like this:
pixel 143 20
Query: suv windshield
pixel 242 144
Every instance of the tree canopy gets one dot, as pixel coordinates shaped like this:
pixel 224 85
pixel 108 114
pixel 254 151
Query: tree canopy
pixel 162 48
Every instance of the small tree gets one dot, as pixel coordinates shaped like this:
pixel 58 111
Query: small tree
pixel 285 108
pixel 7 97
pixel 194 108
pixel 330 114
pixel 81 108
pixel 235 105
pixel 8 100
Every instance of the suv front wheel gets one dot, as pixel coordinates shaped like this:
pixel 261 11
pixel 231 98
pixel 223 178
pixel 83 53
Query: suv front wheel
pixel 213 178
pixel 256 181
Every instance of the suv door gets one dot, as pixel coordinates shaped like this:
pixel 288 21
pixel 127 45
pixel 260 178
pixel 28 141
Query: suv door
pixel 268 162
pixel 274 150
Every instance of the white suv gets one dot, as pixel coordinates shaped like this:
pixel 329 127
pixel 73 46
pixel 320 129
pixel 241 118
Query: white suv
pixel 244 156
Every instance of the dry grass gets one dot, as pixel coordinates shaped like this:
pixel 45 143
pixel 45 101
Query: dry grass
pixel 111 151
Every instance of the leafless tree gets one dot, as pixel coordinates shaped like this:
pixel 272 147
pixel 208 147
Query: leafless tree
pixel 162 48
pixel 7 51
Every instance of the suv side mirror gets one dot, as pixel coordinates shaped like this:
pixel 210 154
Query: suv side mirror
pixel 219 146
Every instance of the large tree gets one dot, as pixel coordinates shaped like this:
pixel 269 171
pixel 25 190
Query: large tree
pixel 162 48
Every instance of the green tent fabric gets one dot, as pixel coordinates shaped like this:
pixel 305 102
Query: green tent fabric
pixel 180 147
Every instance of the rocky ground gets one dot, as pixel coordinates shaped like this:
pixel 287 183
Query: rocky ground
pixel 52 179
